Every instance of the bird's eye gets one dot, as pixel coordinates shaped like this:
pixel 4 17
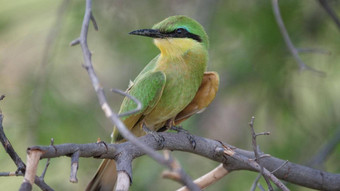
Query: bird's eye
pixel 180 30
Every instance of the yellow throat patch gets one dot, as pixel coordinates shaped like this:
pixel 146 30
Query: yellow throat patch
pixel 175 46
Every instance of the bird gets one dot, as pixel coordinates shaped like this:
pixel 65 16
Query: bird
pixel 172 87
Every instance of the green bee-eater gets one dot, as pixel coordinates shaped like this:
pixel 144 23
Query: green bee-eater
pixel 171 88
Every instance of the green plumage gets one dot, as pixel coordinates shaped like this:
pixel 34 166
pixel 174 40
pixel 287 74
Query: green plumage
pixel 171 88
pixel 170 81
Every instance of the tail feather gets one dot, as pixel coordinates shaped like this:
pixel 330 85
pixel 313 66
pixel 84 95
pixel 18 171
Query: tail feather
pixel 105 178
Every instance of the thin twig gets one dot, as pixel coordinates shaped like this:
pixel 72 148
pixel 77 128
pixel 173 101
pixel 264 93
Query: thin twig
pixel 17 160
pixel 288 41
pixel 42 176
pixel 330 12
pixel 94 22
pixel 176 172
pixel 278 168
pixel 325 151
pixel 253 187
pixel 114 118
pixel 10 150
pixel 260 187
pixel 11 174
pixel 256 150
pixel 45 169
pixel 75 42
pixel 230 152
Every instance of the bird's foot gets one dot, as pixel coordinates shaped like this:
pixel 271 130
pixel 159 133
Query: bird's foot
pixel 190 137
pixel 159 139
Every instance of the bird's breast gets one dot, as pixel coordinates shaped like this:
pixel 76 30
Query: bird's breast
pixel 183 78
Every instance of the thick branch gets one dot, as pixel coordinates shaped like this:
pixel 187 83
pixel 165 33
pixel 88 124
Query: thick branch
pixel 290 172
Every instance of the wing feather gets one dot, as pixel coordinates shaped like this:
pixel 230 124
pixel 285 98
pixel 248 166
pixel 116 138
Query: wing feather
pixel 148 90
pixel 204 96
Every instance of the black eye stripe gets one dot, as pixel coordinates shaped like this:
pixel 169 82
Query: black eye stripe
pixel 182 33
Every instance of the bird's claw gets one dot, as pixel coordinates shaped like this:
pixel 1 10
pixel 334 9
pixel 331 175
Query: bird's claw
pixel 159 138
pixel 191 138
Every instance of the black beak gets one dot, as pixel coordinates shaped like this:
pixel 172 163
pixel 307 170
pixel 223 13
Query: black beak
pixel 148 32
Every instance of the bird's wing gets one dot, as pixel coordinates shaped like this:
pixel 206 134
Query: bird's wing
pixel 204 96
pixel 148 90
pixel 149 67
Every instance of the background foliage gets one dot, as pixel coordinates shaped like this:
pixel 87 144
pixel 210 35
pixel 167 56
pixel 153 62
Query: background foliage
pixel 48 94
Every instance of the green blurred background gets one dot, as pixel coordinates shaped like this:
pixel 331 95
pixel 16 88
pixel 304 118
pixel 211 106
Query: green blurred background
pixel 49 95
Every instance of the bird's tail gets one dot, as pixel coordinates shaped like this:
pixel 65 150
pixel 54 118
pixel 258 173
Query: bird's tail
pixel 105 178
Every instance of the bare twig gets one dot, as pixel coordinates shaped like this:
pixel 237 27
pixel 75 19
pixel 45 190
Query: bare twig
pixel 42 176
pixel 114 118
pixel 75 42
pixel 209 178
pixel 278 168
pixel 325 150
pixel 288 41
pixel 330 12
pixel 176 172
pixel 253 187
pixel 11 174
pixel 18 162
pixel 10 150
pixel 230 152
pixel 260 187
pixel 45 169
pixel 94 22
pixel 256 151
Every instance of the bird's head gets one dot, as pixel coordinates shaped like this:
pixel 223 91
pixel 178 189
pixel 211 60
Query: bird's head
pixel 176 33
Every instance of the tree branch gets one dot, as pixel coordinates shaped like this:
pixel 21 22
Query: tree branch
pixel 39 181
pixel 256 150
pixel 288 42
pixel 255 166
pixel 330 12
pixel 325 150
pixel 10 150
pixel 234 159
